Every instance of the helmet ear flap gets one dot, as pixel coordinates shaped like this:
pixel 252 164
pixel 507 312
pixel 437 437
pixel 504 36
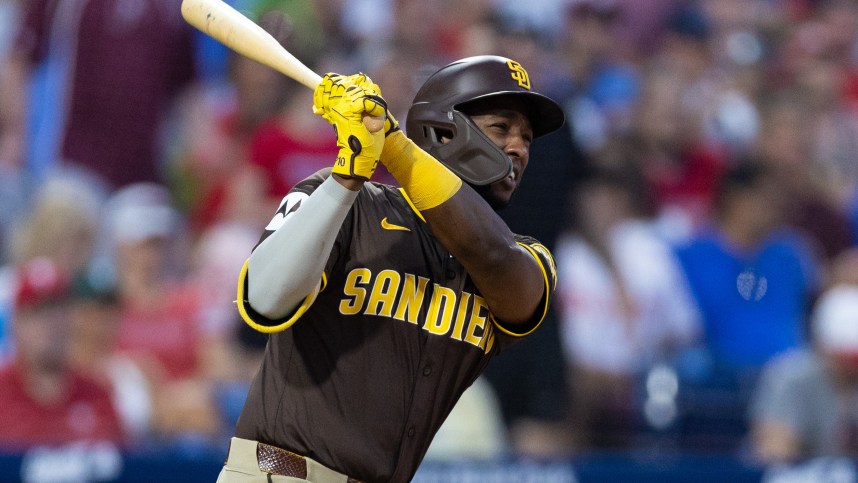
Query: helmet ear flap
pixel 466 150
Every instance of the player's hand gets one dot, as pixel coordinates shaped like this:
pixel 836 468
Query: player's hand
pixel 390 123
pixel 343 102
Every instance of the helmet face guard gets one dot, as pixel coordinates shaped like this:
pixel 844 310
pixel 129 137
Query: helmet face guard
pixel 477 160
pixel 436 123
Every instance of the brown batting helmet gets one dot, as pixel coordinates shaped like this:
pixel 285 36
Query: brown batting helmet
pixel 439 110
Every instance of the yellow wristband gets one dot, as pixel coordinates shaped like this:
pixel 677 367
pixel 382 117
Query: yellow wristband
pixel 427 182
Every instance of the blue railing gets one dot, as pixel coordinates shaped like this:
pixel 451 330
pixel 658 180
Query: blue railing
pixel 99 463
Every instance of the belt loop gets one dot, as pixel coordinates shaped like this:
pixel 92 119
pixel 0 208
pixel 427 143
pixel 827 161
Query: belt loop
pixel 317 473
pixel 242 455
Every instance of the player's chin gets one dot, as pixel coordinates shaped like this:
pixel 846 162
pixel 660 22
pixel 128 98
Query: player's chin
pixel 498 194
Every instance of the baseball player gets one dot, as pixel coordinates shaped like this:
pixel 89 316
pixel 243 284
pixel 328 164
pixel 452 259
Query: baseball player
pixel 384 304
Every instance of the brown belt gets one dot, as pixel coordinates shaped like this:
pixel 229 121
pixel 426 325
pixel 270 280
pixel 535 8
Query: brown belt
pixel 278 461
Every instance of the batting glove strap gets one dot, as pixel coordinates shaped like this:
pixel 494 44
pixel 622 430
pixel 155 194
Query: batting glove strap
pixel 391 125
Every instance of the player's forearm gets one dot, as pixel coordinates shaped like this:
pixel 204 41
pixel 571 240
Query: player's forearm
pixel 508 278
pixel 287 266
pixel 506 274
pixel 427 182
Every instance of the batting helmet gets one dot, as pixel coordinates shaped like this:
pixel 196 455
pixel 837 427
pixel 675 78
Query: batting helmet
pixel 440 105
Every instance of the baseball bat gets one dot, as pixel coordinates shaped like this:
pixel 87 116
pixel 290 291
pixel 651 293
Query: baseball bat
pixel 229 27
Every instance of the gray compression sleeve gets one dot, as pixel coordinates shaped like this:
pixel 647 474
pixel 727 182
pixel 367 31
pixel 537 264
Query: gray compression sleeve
pixel 287 266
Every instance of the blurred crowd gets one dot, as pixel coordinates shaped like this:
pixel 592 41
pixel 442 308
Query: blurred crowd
pixel 701 204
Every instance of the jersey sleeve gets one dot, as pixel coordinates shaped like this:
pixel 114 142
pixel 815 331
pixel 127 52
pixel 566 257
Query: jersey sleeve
pixel 263 324
pixel 290 204
pixel 293 200
pixel 543 258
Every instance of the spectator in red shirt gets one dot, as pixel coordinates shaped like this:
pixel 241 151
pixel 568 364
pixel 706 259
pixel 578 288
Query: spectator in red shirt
pixel 160 308
pixel 95 79
pixel 45 401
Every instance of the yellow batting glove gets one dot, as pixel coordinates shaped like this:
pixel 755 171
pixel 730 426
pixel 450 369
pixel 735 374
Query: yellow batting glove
pixel 322 93
pixel 390 123
pixel 343 101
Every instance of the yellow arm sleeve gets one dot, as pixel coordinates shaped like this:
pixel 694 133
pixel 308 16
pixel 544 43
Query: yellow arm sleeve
pixel 427 182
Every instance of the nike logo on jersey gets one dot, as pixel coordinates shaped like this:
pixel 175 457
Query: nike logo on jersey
pixel 390 226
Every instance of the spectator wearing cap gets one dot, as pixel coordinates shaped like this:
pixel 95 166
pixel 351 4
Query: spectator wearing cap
pixel 44 400
pixel 157 314
pixel 160 325
pixel 806 404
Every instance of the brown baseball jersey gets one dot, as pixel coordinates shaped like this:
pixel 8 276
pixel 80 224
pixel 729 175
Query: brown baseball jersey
pixel 370 367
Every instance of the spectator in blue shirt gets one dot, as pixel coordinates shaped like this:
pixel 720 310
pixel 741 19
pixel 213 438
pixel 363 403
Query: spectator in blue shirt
pixel 752 277
pixel 753 280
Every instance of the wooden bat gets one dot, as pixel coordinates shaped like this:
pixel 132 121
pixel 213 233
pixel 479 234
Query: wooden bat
pixel 229 27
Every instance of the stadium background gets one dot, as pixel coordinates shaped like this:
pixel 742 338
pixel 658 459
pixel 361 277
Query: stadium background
pixel 662 97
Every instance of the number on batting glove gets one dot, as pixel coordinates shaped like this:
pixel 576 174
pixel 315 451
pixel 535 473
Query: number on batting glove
pixel 343 101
